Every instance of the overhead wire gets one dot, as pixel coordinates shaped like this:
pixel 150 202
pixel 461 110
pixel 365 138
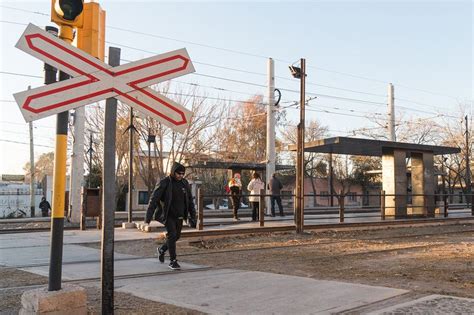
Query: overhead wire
pixel 283 89
pixel 261 85
pixel 27 143
pixel 236 52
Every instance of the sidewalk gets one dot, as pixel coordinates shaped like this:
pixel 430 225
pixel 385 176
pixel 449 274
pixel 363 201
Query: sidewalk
pixel 216 291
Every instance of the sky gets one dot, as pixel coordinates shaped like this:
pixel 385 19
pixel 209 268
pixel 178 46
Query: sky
pixel 353 50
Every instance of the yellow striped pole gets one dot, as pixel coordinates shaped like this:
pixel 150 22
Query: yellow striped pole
pixel 68 15
pixel 59 185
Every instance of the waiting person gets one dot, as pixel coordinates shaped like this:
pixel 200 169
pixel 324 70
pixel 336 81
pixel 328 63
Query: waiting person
pixel 275 187
pixel 172 202
pixel 235 186
pixel 44 206
pixel 255 186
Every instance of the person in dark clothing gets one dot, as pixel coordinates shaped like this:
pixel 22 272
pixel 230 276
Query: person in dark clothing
pixel 235 187
pixel 44 206
pixel 172 202
pixel 275 187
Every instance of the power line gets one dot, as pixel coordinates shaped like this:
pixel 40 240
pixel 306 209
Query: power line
pixel 15 23
pixel 187 42
pixel 21 74
pixel 27 135
pixel 250 72
pixel 282 89
pixel 418 103
pixel 23 10
pixel 25 124
pixel 27 143
pixel 332 87
pixel 233 51
pixel 194 60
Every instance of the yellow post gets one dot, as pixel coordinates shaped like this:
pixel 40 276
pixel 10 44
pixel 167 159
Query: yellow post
pixel 68 15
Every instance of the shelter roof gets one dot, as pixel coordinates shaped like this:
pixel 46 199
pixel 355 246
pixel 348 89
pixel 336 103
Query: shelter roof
pixel 236 165
pixel 369 147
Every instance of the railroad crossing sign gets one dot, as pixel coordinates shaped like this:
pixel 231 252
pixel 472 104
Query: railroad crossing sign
pixel 94 80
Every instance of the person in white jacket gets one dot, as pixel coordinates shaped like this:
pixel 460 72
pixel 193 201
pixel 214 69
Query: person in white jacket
pixel 255 185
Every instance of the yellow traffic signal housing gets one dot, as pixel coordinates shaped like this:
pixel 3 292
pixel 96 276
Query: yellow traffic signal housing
pixel 67 12
pixel 91 37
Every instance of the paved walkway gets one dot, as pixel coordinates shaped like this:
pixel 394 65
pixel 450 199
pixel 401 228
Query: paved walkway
pixel 214 291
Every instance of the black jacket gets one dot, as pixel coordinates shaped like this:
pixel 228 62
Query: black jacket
pixel 161 200
pixel 44 205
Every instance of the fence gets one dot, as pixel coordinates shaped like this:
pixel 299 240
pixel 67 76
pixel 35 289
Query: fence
pixel 346 206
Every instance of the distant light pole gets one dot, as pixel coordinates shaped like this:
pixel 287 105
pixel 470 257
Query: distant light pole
pixel 300 73
pixel 90 151
pixel 151 139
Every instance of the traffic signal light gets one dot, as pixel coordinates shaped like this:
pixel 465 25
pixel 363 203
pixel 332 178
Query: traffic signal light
pixel 91 37
pixel 67 12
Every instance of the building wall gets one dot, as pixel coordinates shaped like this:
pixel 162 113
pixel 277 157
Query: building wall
pixel 15 200
pixel 321 197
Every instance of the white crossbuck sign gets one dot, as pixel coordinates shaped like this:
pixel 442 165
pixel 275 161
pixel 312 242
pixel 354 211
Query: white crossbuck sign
pixel 94 80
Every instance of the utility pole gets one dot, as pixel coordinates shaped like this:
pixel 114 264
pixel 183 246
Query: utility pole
pixel 91 39
pixel 270 126
pixel 108 190
pixel 32 170
pixel 151 139
pixel 300 153
pixel 90 151
pixel 131 128
pixel 391 113
pixel 331 182
pixel 468 166
pixel 77 164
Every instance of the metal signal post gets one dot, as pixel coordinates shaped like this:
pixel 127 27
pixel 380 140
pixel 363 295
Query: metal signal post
pixel 68 15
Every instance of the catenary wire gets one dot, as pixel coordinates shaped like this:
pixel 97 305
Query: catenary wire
pixel 239 52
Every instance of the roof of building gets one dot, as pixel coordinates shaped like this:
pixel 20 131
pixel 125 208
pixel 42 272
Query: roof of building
pixel 369 147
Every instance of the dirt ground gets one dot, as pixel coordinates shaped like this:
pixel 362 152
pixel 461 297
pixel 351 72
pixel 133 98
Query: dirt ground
pixel 12 280
pixel 440 262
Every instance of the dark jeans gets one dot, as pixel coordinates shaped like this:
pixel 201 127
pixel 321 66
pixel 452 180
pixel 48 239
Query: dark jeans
pixel 173 233
pixel 276 198
pixel 255 210
pixel 44 213
pixel 235 198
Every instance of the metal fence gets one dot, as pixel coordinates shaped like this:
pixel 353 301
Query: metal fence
pixel 351 205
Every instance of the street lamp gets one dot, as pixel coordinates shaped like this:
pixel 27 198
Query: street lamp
pixel 300 73
pixel 149 141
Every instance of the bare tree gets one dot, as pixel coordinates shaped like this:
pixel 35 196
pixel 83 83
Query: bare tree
pixel 172 146
pixel 455 166
pixel 412 130
pixel 314 163
pixel 95 125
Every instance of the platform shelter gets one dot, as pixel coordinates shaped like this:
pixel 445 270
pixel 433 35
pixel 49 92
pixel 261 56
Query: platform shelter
pixel 394 169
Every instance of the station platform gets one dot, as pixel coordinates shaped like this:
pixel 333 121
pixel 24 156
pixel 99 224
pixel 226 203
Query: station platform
pixel 213 290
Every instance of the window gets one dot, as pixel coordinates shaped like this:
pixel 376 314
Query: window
pixel 143 197
pixel 324 194
pixel 352 196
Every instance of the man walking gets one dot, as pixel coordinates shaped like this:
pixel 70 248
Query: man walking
pixel 275 187
pixel 171 202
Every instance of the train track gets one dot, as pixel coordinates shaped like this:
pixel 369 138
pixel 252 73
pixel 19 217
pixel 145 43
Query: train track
pixel 289 227
pixel 276 247
pixel 198 269
pixel 312 259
